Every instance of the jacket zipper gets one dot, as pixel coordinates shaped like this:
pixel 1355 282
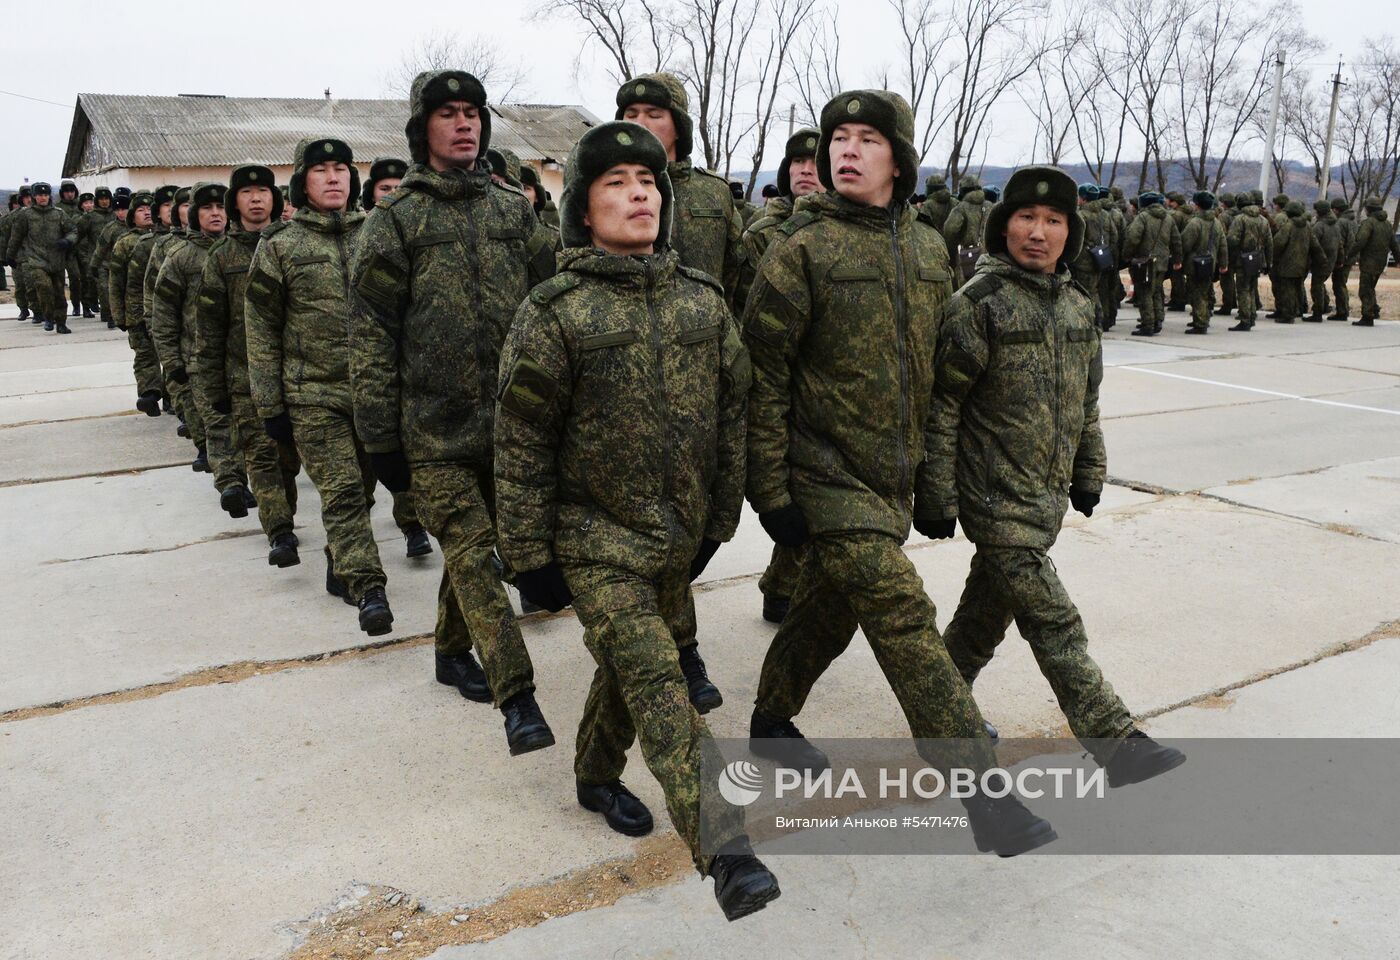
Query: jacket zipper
pixel 901 324
pixel 1055 358
pixel 485 382
pixel 663 407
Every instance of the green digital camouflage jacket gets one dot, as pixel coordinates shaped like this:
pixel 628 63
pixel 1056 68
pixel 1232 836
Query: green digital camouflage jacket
pixel 221 342
pixel 1373 243
pixel 176 302
pixel 1016 413
pixel 439 270
pixel 841 325
pixel 1154 234
pixel 34 237
pixel 620 425
pixel 296 312
pixel 706 230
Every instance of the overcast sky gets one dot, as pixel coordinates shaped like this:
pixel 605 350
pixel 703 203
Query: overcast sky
pixel 298 50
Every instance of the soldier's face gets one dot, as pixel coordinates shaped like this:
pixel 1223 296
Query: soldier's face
pixel 85 206
pixel 26 201
pixel 183 212
pixel 69 195
pixel 121 215
pixel 328 185
pixel 624 210
pixel 104 203
pixel 802 175
pixel 862 164
pixel 41 199
pixel 530 192
pixel 656 119
pixel 166 213
pixel 254 206
pixel 212 219
pixel 1036 237
pixel 386 186
pixel 454 135
pixel 141 218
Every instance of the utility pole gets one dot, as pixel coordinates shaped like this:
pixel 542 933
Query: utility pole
pixel 792 118
pixel 1273 125
pixel 1326 178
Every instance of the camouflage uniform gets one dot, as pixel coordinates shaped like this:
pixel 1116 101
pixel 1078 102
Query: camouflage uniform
pixel 221 375
pixel 1176 276
pixel 33 245
pixel 1295 249
pixel 1249 232
pixel 1111 290
pixel 295 315
pixel 174 301
pixel 962 231
pixel 5 223
pixel 814 444
pixel 1152 235
pixel 1015 427
pixel 438 272
pixel 1204 237
pixel 1098 232
pixel 1346 227
pixel 1370 248
pixel 72 263
pixel 619 446
pixel 102 258
pixel 1329 238
pixel 1229 296
pixel 938 202
pixel 89 230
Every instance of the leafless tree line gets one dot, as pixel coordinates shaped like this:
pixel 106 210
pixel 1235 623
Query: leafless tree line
pixel 1141 92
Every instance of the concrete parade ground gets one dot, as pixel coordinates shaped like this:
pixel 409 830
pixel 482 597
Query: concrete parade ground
pixel 202 757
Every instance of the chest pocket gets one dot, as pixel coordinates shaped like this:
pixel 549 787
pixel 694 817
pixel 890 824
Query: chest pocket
pixel 309 271
pixel 706 212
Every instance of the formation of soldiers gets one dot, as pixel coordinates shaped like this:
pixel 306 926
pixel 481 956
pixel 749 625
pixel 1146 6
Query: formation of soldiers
pixel 578 400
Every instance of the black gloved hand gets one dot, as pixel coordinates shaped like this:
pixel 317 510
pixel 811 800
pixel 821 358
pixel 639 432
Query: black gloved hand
pixel 936 528
pixel 178 374
pixel 224 406
pixel 545 587
pixel 63 244
pixel 1084 501
pixel 279 427
pixel 392 470
pixel 702 557
pixel 786 525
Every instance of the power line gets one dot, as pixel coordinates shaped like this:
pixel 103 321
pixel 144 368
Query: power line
pixel 54 103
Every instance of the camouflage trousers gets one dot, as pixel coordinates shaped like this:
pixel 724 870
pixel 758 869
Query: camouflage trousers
pixel 456 503
pixel 1370 308
pixel 638 690
pixel 1229 296
pixel 325 439
pixel 1199 294
pixel 780 578
pixel 225 459
pixel 1177 279
pixel 864 580
pixel 451 638
pixel 144 363
pixel 1110 293
pixel 4 273
pixel 45 292
pixel 1340 294
pixel 182 399
pixel 1020 584
pixel 1247 298
pixel 1287 304
pixel 272 467
pixel 91 301
pixel 1150 303
pixel 75 281
pixel 21 290
pixel 1319 293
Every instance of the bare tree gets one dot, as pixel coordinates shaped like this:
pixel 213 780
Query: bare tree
pixel 712 39
pixel 816 65
pixel 1063 86
pixel 1369 122
pixel 924 31
pixel 504 79
pixel 1303 117
pixel 634 36
pixel 786 22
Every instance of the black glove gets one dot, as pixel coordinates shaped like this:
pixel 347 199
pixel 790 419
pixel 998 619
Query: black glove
pixel 786 526
pixel 1084 501
pixel 702 557
pixel 178 374
pixel 279 427
pixel 392 470
pixel 64 244
pixel 224 406
pixel 545 587
pixel 936 528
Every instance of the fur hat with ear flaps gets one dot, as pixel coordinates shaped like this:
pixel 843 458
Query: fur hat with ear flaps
pixel 329 150
pixel 204 193
pixel 431 89
pixel 661 90
pixel 597 152
pixel 1028 186
pixel 251 175
pixel 802 143
pixel 383 168
pixel 888 113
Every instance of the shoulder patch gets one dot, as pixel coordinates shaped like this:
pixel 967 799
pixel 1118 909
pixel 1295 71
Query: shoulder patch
pixel 393 196
pixel 797 221
pixel 219 244
pixel 556 285
pixel 1080 287
pixel 980 287
pixel 702 277
pixel 274 229
pixel 510 188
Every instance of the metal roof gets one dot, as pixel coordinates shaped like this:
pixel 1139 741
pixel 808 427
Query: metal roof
pixel 114 131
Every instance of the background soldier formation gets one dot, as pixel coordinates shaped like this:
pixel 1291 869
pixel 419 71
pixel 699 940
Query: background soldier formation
pixel 577 400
